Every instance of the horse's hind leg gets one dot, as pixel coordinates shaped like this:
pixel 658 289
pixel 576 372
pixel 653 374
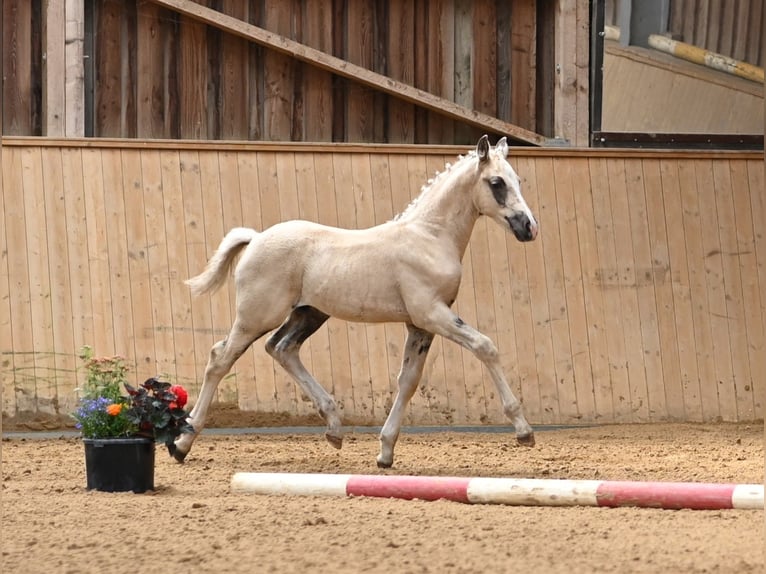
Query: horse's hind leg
pixel 415 352
pixel 223 355
pixel 285 346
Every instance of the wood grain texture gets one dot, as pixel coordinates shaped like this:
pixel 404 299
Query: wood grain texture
pixel 641 300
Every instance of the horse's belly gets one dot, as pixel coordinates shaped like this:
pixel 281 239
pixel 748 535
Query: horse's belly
pixel 356 297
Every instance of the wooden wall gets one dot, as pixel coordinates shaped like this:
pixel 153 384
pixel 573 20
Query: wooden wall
pixel 649 91
pixel 152 73
pixel 643 298
pixel 732 29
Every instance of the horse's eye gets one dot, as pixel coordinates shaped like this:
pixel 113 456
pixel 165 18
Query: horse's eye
pixel 499 189
pixel 497 183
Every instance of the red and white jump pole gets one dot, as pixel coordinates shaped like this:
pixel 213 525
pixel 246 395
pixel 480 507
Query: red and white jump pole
pixel 511 491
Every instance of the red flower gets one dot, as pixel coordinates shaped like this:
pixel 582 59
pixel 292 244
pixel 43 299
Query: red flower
pixel 181 395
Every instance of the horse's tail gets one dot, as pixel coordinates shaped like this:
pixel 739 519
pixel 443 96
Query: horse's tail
pixel 215 272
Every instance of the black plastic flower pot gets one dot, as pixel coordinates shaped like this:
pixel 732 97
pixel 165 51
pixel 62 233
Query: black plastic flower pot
pixel 119 464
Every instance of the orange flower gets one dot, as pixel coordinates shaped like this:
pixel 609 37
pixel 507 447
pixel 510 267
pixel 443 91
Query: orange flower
pixel 114 409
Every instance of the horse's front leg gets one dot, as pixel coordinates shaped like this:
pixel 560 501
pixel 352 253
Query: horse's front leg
pixel 415 352
pixel 223 355
pixel 443 321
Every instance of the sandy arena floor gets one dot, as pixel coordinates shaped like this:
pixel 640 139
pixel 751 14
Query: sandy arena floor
pixel 192 524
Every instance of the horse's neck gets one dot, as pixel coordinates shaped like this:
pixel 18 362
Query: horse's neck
pixel 446 210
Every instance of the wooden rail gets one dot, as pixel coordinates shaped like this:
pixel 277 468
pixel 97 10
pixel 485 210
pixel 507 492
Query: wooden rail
pixel 642 299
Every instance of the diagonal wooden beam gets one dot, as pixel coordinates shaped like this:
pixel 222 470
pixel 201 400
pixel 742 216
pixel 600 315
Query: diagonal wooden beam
pixel 348 70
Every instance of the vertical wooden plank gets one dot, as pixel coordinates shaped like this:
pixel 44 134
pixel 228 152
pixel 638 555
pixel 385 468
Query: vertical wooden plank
pixel 289 207
pixel 233 90
pixel 624 283
pixel 54 68
pixel 420 79
pixel 76 237
pixel 504 59
pixel 317 84
pixel 645 274
pixel 750 326
pixel 192 79
pixel 523 66
pixel 582 73
pixel 157 259
pixel 598 349
pixel 723 383
pixel 755 176
pixel 401 66
pixel 523 324
pixel 279 74
pixel 754 52
pixel 108 89
pixel 213 208
pixel 22 395
pixel 565 90
pixel 464 80
pixel 39 278
pixel 693 229
pixel 658 223
pixel 74 80
pixel 484 71
pixel 64 359
pixel 17 68
pixel 7 393
pixel 682 302
pixel 138 265
pixel 563 388
pixel 98 254
pixel 196 255
pixel 606 280
pixel 539 303
pixel 151 104
pixel 360 41
pixel 182 334
pixel 568 173
pixel 739 386
pixel 441 65
pixel 256 360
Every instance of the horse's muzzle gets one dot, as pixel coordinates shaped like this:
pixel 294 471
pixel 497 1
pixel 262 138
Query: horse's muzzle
pixel 524 228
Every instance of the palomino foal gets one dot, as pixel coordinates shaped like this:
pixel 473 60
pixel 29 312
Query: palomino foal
pixel 295 275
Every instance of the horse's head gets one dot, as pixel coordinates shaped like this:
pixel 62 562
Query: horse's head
pixel 498 191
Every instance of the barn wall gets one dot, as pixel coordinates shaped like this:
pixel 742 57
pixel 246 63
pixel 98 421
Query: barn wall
pixel 153 73
pixel 642 300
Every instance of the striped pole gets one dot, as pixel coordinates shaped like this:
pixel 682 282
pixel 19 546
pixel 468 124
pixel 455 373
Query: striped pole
pixel 510 491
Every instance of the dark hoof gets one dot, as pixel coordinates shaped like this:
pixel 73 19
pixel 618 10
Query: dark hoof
pixel 334 440
pixel 526 440
pixel 176 453
pixel 382 464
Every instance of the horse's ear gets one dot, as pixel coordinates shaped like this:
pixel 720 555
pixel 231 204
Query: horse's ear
pixel 502 147
pixel 482 148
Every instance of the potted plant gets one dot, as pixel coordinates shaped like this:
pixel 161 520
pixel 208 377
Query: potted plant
pixel 120 430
